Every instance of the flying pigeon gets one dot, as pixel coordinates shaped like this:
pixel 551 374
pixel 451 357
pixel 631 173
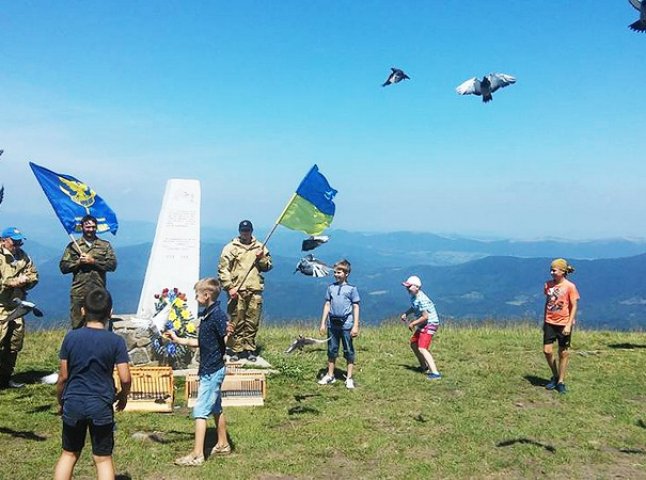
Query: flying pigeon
pixel 312 267
pixel 301 341
pixel 23 307
pixel 639 25
pixel 395 76
pixel 485 87
pixel 313 242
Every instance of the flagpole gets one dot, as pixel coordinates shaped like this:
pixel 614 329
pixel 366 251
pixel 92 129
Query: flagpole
pixel 75 243
pixel 264 242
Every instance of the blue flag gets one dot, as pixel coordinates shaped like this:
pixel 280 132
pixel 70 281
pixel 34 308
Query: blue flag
pixel 72 199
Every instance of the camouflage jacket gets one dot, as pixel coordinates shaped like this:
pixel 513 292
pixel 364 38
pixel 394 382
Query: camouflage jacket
pixel 237 258
pixel 12 267
pixel 87 276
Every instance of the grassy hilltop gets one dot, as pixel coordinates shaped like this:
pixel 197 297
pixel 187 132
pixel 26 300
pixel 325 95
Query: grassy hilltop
pixel 489 417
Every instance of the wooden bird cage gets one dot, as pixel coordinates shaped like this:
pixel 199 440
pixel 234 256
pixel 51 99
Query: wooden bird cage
pixel 241 388
pixel 152 389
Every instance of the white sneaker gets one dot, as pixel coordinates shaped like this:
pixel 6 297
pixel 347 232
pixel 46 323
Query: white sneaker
pixel 349 383
pixel 327 380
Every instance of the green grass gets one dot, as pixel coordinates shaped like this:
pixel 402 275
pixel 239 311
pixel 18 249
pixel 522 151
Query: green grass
pixel 487 418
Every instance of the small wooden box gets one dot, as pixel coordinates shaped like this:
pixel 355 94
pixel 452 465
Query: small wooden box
pixel 152 389
pixel 241 388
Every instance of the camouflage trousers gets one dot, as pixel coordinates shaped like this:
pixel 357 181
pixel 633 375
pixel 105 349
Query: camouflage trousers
pixel 245 314
pixel 76 318
pixel 12 336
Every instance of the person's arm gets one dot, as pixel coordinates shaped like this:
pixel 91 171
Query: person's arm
pixel 106 262
pixel 355 316
pixel 123 370
pixel 60 385
pixel 405 315
pixel 574 305
pixel 189 342
pixel 28 277
pixel 224 270
pixel 263 259
pixel 422 319
pixel 71 260
pixel 324 315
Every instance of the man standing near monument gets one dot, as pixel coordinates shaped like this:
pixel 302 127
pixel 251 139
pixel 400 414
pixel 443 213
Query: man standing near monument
pixel 88 260
pixel 17 275
pixel 242 262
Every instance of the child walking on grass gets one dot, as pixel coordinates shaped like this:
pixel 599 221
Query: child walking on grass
pixel 212 336
pixel 424 326
pixel 561 301
pixel 341 317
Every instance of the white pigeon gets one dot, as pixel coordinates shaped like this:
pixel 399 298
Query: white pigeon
pixel 485 87
pixel 639 25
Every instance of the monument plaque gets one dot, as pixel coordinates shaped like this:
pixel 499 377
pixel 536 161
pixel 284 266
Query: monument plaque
pixel 175 255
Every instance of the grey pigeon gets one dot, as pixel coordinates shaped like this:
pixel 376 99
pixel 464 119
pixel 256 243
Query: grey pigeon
pixel 312 267
pixel 639 25
pixel 302 341
pixel 313 242
pixel 395 76
pixel 485 87
pixel 23 307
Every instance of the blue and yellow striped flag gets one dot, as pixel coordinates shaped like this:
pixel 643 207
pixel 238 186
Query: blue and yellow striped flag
pixel 311 209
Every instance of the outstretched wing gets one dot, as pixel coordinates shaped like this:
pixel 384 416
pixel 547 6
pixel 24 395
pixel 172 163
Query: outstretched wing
pixel 319 270
pixel 292 347
pixel 470 87
pixel 636 4
pixel 500 80
pixel 312 341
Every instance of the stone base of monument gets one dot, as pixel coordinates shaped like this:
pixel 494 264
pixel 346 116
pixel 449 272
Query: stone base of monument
pixel 139 336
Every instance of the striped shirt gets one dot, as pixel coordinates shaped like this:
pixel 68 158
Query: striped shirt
pixel 420 303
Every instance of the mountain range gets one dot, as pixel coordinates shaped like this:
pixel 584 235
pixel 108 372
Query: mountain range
pixel 468 279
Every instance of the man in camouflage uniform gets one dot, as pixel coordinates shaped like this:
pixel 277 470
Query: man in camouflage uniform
pixel 88 266
pixel 244 254
pixel 17 275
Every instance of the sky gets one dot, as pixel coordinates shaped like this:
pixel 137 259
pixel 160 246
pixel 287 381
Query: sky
pixel 246 96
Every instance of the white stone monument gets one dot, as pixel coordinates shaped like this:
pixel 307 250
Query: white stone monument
pixel 175 255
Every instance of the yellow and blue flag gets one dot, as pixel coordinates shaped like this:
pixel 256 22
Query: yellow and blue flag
pixel 72 199
pixel 311 209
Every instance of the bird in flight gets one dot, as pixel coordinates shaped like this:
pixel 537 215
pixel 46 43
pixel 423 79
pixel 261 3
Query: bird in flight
pixel 302 341
pixel 314 241
pixel 639 25
pixel 485 87
pixel 395 76
pixel 310 266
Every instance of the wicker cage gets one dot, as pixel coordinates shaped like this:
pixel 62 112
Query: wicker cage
pixel 241 388
pixel 152 389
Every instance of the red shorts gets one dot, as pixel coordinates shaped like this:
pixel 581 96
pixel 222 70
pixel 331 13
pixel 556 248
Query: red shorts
pixel 422 338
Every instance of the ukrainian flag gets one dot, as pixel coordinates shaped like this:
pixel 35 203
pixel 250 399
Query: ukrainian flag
pixel 72 199
pixel 311 209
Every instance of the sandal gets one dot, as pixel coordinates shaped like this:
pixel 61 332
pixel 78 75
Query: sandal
pixel 189 461
pixel 221 450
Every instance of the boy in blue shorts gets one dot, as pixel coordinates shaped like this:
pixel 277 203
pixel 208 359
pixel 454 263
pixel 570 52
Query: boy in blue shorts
pixel 85 388
pixel 212 337
pixel 341 317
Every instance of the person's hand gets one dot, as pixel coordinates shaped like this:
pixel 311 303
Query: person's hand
pixel 233 293
pixel 322 329
pixel 260 254
pixel 411 327
pixel 567 329
pixel 354 332
pixel 171 335
pixel 230 328
pixel 122 400
pixel 403 317
pixel 86 258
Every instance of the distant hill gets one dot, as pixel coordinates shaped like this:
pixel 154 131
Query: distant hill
pixel 613 291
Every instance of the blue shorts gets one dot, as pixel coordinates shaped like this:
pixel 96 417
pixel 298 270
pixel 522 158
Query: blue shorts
pixel 339 335
pixel 209 394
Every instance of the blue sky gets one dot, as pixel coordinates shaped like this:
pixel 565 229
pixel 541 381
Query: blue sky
pixel 246 96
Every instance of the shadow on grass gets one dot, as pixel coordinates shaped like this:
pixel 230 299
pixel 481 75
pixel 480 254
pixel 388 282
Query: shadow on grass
pixel 641 423
pixel 31 376
pixel 527 441
pixel 299 409
pixel 23 434
pixel 536 381
pixel 338 373
pixel 626 346
pixel 300 398
pixel 41 409
pixel 123 476
pixel 211 439
pixel 419 418
pixel 411 368
pixel 638 451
